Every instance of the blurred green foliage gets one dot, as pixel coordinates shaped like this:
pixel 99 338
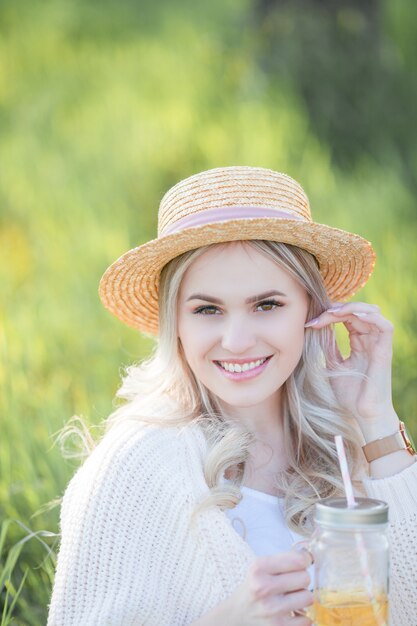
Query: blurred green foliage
pixel 103 106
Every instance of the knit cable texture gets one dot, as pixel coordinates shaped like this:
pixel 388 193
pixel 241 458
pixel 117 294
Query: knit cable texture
pixel 400 492
pixel 128 555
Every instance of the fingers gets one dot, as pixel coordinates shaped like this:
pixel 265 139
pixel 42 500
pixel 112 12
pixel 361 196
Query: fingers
pixel 304 545
pixel 285 604
pixel 265 585
pixel 361 317
pixel 278 585
pixel 298 621
pixel 348 307
pixel 298 618
pixel 283 562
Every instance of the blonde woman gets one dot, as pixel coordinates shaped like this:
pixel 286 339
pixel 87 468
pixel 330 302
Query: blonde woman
pixel 189 509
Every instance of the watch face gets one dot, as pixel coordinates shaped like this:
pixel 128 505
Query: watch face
pixel 408 441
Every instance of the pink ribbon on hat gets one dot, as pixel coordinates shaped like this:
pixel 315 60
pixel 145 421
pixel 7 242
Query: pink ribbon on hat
pixel 224 214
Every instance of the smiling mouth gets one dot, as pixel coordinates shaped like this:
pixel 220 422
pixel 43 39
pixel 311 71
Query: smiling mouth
pixel 235 367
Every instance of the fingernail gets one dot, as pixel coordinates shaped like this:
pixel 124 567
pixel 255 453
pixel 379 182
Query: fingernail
pixel 311 322
pixel 299 612
pixel 360 314
pixel 335 308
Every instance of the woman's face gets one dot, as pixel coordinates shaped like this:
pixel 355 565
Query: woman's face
pixel 241 324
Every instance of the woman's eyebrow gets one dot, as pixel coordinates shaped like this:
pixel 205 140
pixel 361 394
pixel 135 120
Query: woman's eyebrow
pixel 266 294
pixel 261 296
pixel 202 296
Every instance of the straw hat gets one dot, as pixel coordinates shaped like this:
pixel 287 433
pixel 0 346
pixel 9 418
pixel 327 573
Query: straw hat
pixel 228 204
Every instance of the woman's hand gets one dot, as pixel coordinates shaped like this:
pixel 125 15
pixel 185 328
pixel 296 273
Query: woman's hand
pixel 368 398
pixel 275 592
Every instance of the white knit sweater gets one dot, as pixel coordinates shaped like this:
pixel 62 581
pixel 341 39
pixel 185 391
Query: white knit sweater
pixel 128 557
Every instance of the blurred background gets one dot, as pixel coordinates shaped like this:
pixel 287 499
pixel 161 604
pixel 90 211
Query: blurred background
pixel 105 105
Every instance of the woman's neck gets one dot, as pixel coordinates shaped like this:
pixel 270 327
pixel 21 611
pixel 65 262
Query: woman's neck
pixel 266 461
pixel 268 456
pixel 265 420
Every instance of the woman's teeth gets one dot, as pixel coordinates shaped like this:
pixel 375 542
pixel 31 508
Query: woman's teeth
pixel 241 367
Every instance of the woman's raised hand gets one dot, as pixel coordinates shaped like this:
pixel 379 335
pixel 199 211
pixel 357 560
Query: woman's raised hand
pixel 274 593
pixel 368 398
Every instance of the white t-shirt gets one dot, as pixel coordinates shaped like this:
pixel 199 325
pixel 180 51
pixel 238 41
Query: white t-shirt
pixel 260 521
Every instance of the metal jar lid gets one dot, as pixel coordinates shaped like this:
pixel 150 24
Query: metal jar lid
pixel 335 512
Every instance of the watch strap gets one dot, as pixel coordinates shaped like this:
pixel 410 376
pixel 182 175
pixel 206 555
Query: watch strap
pixel 386 445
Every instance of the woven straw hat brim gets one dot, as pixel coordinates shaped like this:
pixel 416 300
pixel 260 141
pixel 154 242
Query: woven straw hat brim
pixel 129 287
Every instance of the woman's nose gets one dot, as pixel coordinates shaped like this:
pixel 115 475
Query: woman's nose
pixel 237 337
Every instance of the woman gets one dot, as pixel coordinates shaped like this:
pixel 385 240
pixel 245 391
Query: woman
pixel 232 419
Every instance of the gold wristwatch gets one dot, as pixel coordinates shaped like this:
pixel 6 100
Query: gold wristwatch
pixel 386 445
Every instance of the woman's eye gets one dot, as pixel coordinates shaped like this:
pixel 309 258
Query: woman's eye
pixel 206 310
pixel 268 305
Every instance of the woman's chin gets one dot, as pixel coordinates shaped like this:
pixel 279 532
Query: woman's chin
pixel 250 402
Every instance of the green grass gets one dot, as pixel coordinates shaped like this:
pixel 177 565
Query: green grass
pixel 102 109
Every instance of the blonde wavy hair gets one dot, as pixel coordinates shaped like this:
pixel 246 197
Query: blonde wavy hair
pixel 164 391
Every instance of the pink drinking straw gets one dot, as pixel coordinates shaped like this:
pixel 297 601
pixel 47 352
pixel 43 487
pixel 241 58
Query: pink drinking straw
pixel 359 539
pixel 345 472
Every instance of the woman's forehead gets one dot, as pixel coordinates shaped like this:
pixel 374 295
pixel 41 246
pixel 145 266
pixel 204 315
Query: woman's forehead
pixel 236 266
pixel 229 251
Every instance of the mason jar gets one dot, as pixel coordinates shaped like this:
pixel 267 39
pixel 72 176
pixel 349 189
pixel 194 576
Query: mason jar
pixel 351 563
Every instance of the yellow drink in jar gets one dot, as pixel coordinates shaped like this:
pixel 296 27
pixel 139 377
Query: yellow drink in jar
pixel 351 563
pixel 335 608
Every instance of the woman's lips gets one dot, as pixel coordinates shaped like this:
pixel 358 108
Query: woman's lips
pixel 244 375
